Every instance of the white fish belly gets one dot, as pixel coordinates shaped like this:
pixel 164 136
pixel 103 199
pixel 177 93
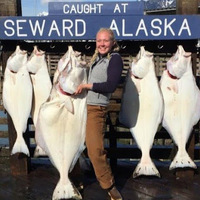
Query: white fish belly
pixel 182 108
pixel 149 113
pixel 60 133
pixel 145 117
pixel 42 87
pixel 17 98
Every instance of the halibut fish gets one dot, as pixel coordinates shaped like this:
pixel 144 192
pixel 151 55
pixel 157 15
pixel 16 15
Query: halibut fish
pixel 142 108
pixel 17 96
pixel 181 104
pixel 37 67
pixel 60 130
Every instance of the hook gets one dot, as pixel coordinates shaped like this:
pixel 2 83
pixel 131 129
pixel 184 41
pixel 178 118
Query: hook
pixel 123 46
pixel 141 44
pixel 160 46
pixel 87 46
pixel 52 46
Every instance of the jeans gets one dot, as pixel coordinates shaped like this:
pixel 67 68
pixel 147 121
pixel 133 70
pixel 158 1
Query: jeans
pixel 95 130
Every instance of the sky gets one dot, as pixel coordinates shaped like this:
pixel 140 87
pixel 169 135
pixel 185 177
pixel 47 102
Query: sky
pixel 35 7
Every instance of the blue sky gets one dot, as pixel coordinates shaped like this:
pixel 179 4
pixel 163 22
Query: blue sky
pixel 34 7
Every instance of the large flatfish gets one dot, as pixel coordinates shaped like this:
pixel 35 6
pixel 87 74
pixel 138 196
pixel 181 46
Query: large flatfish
pixel 37 67
pixel 181 104
pixel 142 108
pixel 60 130
pixel 17 96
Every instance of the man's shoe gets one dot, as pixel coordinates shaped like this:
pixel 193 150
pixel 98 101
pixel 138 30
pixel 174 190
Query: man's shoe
pixel 114 194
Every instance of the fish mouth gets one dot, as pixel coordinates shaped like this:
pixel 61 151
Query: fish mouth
pixel 171 76
pixel 59 88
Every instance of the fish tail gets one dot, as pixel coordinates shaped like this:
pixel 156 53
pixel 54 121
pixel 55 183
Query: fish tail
pixel 66 191
pixel 146 168
pixel 181 160
pixel 20 147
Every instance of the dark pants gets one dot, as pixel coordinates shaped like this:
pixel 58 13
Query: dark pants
pixel 96 126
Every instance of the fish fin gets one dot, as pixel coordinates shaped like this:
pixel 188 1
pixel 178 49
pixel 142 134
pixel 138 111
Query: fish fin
pixel 182 160
pixel 39 152
pixel 67 191
pixel 146 168
pixel 20 147
pixel 69 105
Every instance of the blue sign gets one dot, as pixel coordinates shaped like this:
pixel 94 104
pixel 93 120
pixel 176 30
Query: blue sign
pixel 161 27
pixel 96 8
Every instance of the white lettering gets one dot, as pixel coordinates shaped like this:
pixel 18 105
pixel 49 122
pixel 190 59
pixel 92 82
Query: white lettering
pixel 68 28
pixel 184 26
pixel 77 22
pixel 65 9
pixel 12 30
pixel 20 28
pixel 123 29
pixel 159 30
pixel 73 9
pixel 117 8
pixel 37 27
pixel 54 27
pixel 87 9
pixel 99 5
pixel 96 8
pixel 113 26
pixel 82 8
pixel 124 5
pixel 141 27
pixel 168 26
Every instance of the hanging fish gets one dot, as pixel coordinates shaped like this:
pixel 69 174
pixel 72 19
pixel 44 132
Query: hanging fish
pixel 60 129
pixel 37 67
pixel 17 96
pixel 142 108
pixel 181 104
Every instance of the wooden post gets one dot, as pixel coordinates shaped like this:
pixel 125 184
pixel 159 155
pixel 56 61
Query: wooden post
pixel 10 8
pixel 185 7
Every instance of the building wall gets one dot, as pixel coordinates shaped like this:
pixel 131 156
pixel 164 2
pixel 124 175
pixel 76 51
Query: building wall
pixel 10 8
